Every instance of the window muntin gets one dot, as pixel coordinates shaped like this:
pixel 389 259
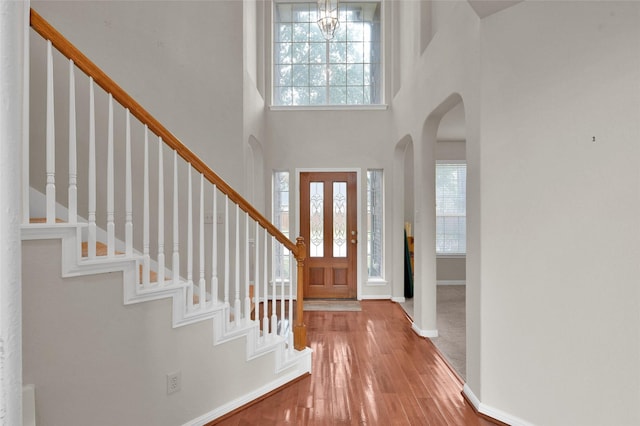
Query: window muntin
pixel 451 208
pixel 339 219
pixel 316 219
pixel 374 223
pixel 309 70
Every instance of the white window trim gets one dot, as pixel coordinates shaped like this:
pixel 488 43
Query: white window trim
pixel 451 255
pixel 383 105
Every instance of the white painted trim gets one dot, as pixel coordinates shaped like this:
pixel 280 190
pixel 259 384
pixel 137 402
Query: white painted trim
pixel 375 297
pixel 372 107
pixel 473 399
pixel 13 80
pixel 398 299
pixel 451 255
pixel 423 333
pixel 376 282
pixel 494 413
pixel 303 368
pixel 451 282
pixel 37 205
pixel 28 405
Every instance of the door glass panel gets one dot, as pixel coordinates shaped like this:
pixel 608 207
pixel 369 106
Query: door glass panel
pixel 339 219
pixel 316 222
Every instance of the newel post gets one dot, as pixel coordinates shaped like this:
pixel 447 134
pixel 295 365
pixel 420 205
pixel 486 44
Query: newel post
pixel 299 329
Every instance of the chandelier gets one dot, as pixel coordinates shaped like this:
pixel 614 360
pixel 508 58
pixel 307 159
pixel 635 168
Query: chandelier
pixel 328 17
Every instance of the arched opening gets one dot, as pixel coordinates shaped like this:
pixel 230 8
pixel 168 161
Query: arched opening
pixel 403 213
pixel 439 307
pixel 451 238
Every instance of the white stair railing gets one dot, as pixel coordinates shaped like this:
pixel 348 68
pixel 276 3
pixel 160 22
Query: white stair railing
pixel 107 196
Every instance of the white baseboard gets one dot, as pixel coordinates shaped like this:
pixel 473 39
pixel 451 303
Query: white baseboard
pixel 424 333
pixel 473 399
pixel 494 413
pixel 398 299
pixel 451 282
pixel 374 297
pixel 251 396
pixel 28 405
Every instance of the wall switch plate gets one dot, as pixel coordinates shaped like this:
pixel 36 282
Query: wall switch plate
pixel 174 382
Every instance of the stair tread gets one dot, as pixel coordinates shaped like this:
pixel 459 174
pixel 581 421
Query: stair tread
pixel 44 220
pixel 101 250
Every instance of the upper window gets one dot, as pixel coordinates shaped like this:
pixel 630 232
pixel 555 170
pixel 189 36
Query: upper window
pixel 310 70
pixel 451 208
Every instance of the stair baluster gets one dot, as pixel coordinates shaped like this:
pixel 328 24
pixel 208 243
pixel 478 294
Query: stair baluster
pixel 128 208
pixel 274 288
pixel 91 237
pixel 146 260
pixel 290 334
pixel 237 308
pixel 256 275
pixel 161 257
pixel 226 262
pixel 202 284
pixel 111 237
pixel 73 172
pixel 51 141
pixel 247 299
pixel 214 246
pixel 265 319
pixel 175 262
pixel 189 241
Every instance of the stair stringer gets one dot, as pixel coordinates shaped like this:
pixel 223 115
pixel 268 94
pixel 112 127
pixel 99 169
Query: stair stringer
pixel 257 344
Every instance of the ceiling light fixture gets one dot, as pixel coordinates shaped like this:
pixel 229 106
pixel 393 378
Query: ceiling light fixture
pixel 328 17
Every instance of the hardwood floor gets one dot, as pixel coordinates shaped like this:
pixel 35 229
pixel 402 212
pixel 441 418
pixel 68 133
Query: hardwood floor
pixel 369 368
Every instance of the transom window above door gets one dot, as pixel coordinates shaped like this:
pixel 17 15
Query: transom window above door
pixel 309 70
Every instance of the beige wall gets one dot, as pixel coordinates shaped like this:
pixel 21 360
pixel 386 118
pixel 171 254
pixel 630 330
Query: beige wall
pixel 451 269
pixel 96 361
pixel 538 81
pixel 557 271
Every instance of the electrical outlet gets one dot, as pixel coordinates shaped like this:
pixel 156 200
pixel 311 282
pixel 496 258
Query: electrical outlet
pixel 209 219
pixel 173 382
pixel 208 216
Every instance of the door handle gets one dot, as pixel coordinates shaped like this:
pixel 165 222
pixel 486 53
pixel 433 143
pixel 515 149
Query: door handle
pixel 353 241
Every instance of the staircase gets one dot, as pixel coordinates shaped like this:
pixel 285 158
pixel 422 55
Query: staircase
pixel 132 214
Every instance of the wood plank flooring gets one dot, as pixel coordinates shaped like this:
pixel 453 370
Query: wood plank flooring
pixel 369 368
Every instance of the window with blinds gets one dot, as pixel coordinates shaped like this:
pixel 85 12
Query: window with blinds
pixel 451 208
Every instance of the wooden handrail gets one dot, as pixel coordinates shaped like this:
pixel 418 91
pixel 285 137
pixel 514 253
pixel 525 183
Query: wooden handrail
pixel 64 46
